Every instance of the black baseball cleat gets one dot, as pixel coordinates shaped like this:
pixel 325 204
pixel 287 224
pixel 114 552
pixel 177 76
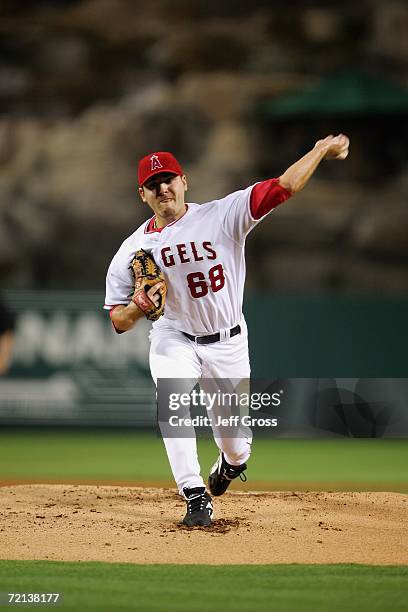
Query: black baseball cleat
pixel 199 507
pixel 222 473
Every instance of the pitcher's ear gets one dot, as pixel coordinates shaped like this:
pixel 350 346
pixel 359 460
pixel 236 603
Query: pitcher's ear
pixel 141 193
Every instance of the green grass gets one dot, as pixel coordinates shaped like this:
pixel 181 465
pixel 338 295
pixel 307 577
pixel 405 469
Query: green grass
pixel 131 456
pixel 194 588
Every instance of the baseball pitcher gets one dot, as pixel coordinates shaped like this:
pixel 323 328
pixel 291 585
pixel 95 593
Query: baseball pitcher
pixel 184 269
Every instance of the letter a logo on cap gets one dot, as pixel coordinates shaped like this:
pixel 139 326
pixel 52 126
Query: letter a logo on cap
pixel 155 163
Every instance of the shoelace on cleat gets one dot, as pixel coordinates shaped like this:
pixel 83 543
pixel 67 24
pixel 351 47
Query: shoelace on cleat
pixel 230 473
pixel 196 503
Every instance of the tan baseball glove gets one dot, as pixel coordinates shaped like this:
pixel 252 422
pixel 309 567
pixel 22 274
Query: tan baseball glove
pixel 147 274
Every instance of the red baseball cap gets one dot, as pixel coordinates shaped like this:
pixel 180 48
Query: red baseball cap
pixel 155 163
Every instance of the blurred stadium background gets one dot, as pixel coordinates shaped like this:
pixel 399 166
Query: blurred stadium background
pixel 237 91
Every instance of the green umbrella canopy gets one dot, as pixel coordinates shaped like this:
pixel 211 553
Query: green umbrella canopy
pixel 348 93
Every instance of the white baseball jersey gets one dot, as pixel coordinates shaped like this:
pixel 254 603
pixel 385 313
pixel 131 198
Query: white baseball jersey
pixel 203 262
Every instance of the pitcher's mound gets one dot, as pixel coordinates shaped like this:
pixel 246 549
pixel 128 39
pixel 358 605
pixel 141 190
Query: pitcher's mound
pixel 142 525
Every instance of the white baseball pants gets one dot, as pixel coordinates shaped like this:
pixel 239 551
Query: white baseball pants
pixel 173 355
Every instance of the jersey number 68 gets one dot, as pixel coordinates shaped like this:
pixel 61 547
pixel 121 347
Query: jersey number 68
pixel 198 284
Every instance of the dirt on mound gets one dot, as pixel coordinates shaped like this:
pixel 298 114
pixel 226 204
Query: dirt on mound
pixel 142 525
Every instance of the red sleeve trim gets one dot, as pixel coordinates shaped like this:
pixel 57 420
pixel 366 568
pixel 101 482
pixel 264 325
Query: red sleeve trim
pixel 118 331
pixel 267 195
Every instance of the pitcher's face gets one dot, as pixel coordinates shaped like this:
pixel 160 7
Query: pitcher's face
pixel 165 193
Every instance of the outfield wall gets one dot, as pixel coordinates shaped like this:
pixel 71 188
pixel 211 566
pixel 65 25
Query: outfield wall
pixel 70 368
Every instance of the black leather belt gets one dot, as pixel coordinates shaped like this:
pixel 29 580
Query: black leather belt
pixel 212 337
